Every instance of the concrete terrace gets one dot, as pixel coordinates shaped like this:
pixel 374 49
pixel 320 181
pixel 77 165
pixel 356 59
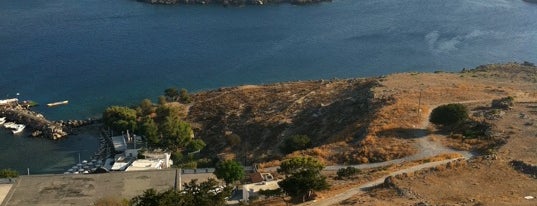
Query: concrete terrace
pixel 86 189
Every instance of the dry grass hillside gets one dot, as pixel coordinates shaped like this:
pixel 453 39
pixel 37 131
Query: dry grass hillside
pixel 349 121
pixel 258 118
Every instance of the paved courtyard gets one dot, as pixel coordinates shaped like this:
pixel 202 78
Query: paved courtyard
pixel 86 189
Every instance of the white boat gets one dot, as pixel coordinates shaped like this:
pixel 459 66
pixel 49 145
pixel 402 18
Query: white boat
pixel 19 128
pixel 10 125
pixel 57 103
pixel 2 120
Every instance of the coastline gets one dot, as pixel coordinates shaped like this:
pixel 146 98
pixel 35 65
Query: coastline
pixel 234 2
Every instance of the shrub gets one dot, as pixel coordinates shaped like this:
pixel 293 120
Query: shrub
pixel 449 114
pixel 295 142
pixel 347 172
pixel 8 173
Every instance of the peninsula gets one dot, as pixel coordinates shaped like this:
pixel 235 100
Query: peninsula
pixel 455 138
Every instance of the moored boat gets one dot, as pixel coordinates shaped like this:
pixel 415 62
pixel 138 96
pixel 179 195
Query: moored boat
pixel 2 120
pixel 57 103
pixel 10 125
pixel 18 128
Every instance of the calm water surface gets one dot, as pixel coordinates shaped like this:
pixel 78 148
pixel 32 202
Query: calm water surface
pixel 96 53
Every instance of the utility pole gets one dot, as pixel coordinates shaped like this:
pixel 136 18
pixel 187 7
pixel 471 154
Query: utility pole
pixel 175 181
pixel 419 103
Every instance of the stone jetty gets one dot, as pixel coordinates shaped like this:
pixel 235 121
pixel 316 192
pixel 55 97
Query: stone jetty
pixel 36 122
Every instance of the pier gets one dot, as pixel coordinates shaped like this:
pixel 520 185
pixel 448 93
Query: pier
pixel 37 124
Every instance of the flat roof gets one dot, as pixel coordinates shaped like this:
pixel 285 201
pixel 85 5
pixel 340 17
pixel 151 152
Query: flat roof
pixel 145 164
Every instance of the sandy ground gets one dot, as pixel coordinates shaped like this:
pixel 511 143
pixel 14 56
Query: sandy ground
pixel 86 189
pixel 4 189
pixel 481 181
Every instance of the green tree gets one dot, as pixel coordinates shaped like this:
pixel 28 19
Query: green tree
pixel 303 183
pixel 297 164
pixel 120 118
pixel 233 140
pixel 184 96
pixel 164 111
pixel 303 177
pixel 195 145
pixel 162 100
pixel 146 107
pixel 171 93
pixel 8 173
pixel 295 142
pixel 149 129
pixel 176 133
pixel 208 193
pixel 229 170
pixel 448 115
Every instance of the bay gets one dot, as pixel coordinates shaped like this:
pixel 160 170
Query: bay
pixel 96 53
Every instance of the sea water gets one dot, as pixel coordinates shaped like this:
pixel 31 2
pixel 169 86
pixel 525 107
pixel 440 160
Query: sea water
pixel 97 53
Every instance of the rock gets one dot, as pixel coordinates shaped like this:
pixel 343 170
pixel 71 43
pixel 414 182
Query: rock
pixel 389 182
pixel 505 103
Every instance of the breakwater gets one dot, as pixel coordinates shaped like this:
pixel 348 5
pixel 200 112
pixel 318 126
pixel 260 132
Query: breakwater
pixel 37 123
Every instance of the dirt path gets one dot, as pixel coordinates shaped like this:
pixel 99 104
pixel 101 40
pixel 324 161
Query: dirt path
pixel 361 189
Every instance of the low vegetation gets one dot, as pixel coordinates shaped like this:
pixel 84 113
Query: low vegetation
pixel 208 193
pixel 450 114
pixel 8 173
pixel 230 171
pixel 347 172
pixel 295 142
pixel 302 177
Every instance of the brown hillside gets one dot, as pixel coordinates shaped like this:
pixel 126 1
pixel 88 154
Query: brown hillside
pixel 349 121
pixel 262 116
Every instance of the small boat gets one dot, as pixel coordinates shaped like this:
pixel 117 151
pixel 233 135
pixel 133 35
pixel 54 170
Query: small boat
pixel 10 125
pixel 19 128
pixel 57 103
pixel 2 120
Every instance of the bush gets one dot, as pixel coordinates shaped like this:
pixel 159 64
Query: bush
pixel 8 173
pixel 347 172
pixel 449 114
pixel 295 142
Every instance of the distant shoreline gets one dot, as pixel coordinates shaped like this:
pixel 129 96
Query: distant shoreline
pixel 234 2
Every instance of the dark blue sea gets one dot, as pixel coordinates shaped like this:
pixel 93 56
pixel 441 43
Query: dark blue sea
pixel 96 53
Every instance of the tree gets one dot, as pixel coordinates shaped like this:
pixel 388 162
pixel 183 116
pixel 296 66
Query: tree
pixel 233 139
pixel 164 111
pixel 171 93
pixel 302 177
pixel 8 173
pixel 195 145
pixel 450 114
pixel 146 107
pixel 303 183
pixel 162 100
pixel 176 133
pixel 120 118
pixel 295 142
pixel 208 193
pixel 229 170
pixel 184 96
pixel 149 129
pixel 297 164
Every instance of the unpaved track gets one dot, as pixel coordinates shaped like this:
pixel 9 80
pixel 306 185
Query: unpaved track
pixel 361 189
pixel 426 149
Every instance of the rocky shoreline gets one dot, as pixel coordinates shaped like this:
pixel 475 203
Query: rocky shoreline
pixel 38 124
pixel 234 2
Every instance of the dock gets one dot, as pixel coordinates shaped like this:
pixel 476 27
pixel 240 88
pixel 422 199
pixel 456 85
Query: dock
pixel 53 104
pixel 36 122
